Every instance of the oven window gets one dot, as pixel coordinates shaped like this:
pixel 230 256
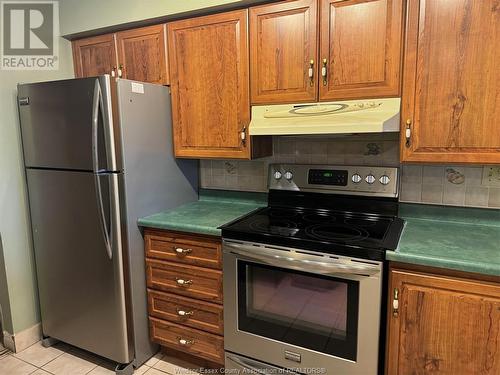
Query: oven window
pixel 303 309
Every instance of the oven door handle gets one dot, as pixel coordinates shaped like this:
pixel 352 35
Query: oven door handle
pixel 297 261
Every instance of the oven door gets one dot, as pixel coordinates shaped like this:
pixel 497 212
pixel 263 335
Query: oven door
pixel 302 310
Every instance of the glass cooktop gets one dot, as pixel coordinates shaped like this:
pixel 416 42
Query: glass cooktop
pixel 317 229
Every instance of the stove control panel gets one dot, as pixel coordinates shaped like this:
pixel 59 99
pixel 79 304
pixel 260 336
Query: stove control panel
pixel 354 180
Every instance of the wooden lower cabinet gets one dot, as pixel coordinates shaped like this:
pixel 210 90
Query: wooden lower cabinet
pixel 442 324
pixel 184 279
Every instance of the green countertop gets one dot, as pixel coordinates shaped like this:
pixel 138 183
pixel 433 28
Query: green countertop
pixel 213 209
pixel 465 239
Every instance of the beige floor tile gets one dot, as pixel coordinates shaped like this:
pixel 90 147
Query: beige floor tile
pixel 153 360
pixel 13 366
pixel 69 364
pixel 37 355
pixel 40 372
pixel 141 370
pixel 153 371
pixel 175 366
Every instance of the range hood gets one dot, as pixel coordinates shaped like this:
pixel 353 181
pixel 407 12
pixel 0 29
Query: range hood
pixel 343 117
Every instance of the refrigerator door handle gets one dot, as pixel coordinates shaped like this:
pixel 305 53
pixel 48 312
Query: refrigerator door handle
pixel 96 107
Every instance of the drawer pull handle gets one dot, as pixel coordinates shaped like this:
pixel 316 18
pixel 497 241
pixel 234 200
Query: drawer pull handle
pixel 184 313
pixel 181 251
pixel 182 282
pixel 185 342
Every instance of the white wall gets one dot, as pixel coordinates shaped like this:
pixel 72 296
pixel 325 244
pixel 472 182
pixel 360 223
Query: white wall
pixel 14 221
pixel 83 15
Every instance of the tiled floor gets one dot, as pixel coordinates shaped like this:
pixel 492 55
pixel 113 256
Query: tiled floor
pixel 63 359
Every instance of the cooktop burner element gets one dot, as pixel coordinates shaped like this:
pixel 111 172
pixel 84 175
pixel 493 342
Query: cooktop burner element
pixel 339 210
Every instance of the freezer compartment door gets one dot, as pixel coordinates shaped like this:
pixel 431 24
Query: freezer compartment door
pixel 68 124
pixel 77 243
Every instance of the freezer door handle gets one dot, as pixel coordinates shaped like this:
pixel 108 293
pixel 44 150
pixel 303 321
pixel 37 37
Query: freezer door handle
pixel 96 107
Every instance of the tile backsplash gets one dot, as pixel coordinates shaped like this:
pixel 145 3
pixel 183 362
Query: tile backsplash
pixel 429 184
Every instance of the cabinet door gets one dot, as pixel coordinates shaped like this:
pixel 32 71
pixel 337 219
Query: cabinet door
pixel 283 52
pixel 210 85
pixel 94 56
pixel 451 95
pixel 142 54
pixel 361 48
pixel 443 325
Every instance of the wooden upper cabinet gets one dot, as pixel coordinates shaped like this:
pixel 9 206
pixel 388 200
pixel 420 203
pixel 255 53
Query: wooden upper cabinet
pixel 210 85
pixel 283 47
pixel 451 102
pixel 360 52
pixel 94 56
pixel 142 54
pixel 442 325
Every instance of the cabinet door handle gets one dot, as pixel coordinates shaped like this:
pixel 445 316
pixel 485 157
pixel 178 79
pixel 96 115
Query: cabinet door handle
pixel 183 282
pixel 243 135
pixel 181 251
pixel 324 72
pixel 113 73
pixel 310 72
pixel 120 71
pixel 408 133
pixel 184 313
pixel 185 342
pixel 395 303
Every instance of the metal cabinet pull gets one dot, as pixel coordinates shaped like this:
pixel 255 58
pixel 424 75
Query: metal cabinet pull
pixel 185 342
pixel 395 303
pixel 324 72
pixel 408 133
pixel 120 71
pixel 113 73
pixel 243 135
pixel 181 251
pixel 182 282
pixel 184 313
pixel 311 72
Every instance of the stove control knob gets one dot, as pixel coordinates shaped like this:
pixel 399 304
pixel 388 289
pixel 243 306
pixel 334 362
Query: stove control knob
pixel 384 180
pixel 277 175
pixel 288 175
pixel 356 178
pixel 370 179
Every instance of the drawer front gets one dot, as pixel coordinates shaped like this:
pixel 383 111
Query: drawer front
pixel 190 281
pixel 187 311
pixel 173 247
pixel 188 340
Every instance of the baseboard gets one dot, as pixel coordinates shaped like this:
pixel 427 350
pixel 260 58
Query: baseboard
pixel 22 340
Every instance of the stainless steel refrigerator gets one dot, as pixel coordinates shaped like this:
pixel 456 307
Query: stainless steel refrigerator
pixel 98 155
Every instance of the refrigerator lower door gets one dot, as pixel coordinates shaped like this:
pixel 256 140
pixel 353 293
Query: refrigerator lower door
pixel 79 271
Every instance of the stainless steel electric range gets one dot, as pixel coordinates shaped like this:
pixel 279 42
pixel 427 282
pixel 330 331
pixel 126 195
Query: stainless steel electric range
pixel 304 276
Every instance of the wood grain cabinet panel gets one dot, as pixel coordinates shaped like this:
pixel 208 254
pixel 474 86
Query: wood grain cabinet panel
pixel 361 48
pixel 283 47
pixel 191 341
pixel 142 54
pixel 187 311
pixel 210 85
pixel 451 97
pixel 94 56
pixel 443 325
pixel 181 248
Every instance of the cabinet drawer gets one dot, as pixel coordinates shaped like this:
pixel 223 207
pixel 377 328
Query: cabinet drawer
pixel 189 312
pixel 190 281
pixel 187 340
pixel 174 247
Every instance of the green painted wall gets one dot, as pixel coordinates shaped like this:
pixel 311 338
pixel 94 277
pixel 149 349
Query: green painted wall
pixel 18 272
pixel 83 15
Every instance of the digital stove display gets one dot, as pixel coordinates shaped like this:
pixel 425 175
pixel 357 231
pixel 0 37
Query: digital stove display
pixel 327 177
